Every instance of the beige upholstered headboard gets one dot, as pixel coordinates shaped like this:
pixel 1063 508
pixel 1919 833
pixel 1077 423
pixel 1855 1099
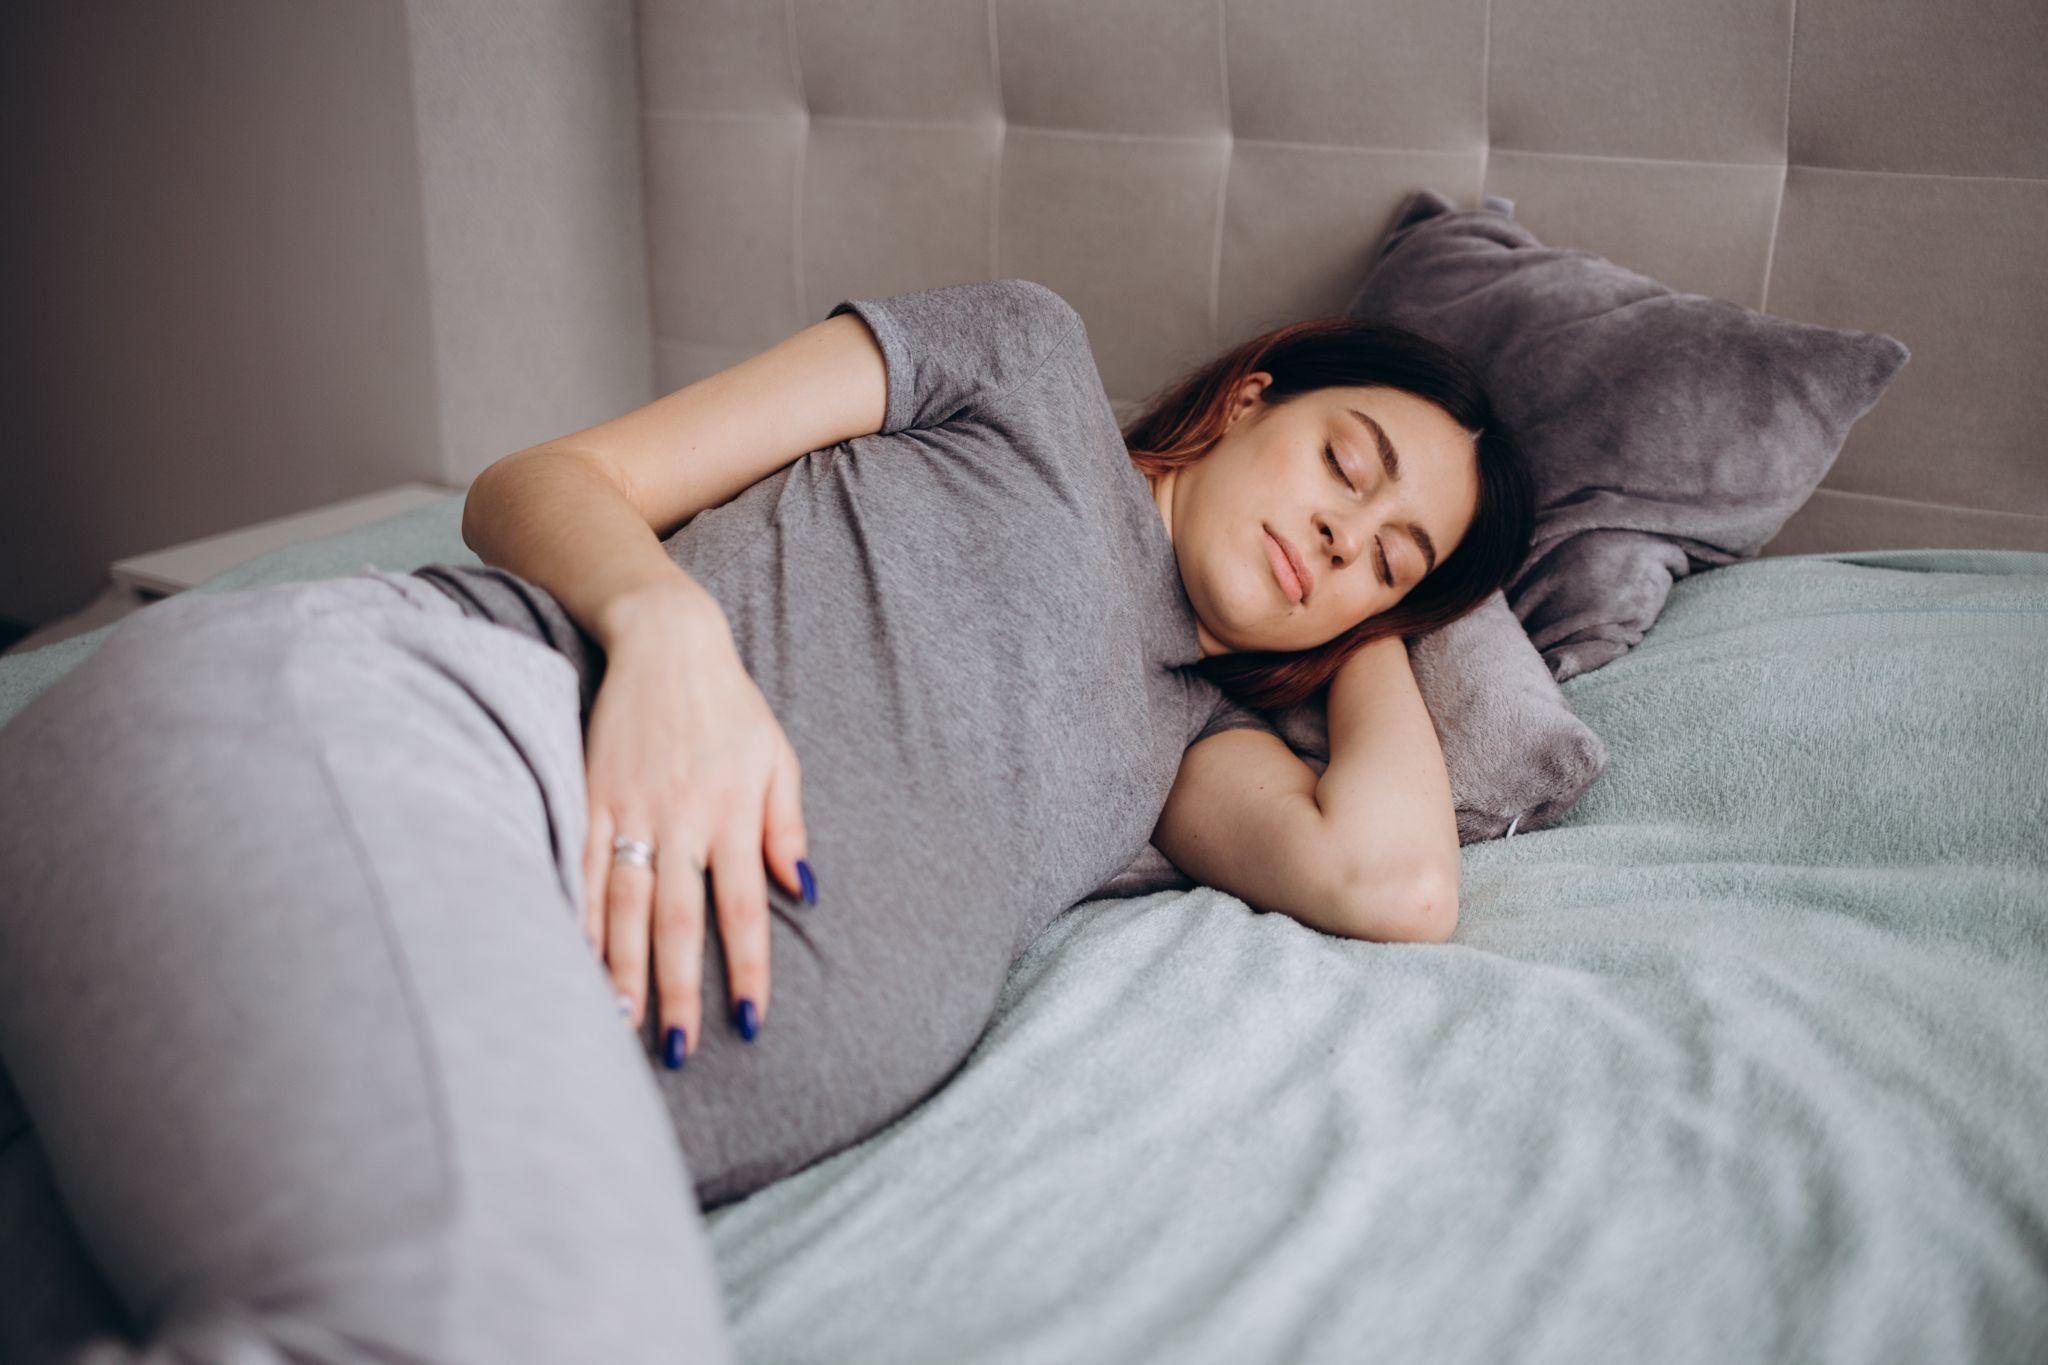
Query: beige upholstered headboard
pixel 1190 172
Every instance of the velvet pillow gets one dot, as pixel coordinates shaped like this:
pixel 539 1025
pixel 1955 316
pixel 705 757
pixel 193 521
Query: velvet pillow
pixel 1666 431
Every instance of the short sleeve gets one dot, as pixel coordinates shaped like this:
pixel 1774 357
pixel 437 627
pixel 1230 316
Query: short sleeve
pixel 1232 715
pixel 951 349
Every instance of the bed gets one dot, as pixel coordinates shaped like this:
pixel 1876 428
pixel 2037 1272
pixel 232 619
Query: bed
pixel 1743 1058
pixel 1746 1058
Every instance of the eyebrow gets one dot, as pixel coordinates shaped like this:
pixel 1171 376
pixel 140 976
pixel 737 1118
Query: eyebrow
pixel 1391 458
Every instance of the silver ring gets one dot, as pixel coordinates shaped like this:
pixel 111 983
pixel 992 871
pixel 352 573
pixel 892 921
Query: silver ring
pixel 636 852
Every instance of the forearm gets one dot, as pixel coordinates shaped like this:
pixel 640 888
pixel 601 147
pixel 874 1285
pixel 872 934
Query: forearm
pixel 1386 794
pixel 555 518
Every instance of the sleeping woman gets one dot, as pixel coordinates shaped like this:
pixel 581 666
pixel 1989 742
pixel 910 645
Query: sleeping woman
pixel 849 667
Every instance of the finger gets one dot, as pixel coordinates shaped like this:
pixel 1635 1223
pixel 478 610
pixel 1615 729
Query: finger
pixel 629 895
pixel 784 839
pixel 739 893
pixel 597 857
pixel 679 940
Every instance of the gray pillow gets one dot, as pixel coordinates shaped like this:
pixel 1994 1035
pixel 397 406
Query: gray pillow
pixel 1666 432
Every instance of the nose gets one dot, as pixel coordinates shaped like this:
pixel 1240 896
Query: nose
pixel 1340 539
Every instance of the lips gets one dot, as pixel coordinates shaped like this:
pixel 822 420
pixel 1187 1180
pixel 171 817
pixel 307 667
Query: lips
pixel 1294 562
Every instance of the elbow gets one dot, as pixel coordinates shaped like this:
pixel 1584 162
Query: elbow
pixel 480 508
pixel 1436 915
pixel 471 517
pixel 476 513
pixel 1411 907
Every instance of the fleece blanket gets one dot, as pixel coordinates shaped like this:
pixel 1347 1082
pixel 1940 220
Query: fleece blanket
pixel 1744 1059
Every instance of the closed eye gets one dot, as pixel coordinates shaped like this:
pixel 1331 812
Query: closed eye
pixel 1330 455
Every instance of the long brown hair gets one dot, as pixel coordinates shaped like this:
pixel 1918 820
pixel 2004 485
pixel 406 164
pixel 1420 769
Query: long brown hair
pixel 1180 425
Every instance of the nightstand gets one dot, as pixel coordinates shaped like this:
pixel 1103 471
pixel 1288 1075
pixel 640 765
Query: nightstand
pixel 141 579
pixel 161 573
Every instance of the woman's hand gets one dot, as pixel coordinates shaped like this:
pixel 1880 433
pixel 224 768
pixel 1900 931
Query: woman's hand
pixel 683 752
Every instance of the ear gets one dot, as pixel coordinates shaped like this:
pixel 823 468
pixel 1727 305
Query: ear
pixel 1250 393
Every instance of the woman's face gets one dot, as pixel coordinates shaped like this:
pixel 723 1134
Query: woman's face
pixel 1352 531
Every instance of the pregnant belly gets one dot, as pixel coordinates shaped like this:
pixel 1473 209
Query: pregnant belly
pixel 878 994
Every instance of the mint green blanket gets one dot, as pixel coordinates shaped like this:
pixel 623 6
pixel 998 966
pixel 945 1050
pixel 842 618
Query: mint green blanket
pixel 1745 1059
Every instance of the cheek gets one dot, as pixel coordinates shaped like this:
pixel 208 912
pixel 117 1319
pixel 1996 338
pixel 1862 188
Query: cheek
pixel 1365 600
pixel 1280 463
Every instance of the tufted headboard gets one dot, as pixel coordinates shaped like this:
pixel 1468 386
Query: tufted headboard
pixel 1188 173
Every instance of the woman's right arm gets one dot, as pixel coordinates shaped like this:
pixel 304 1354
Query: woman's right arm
pixel 682 749
pixel 558 519
pixel 584 515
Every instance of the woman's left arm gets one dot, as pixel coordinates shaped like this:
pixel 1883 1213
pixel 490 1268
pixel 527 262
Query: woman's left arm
pixel 1386 795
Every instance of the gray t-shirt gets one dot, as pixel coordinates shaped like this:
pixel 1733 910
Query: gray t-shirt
pixel 972 628
pixel 971 624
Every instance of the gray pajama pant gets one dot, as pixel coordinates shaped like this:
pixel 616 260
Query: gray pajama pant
pixel 305 1056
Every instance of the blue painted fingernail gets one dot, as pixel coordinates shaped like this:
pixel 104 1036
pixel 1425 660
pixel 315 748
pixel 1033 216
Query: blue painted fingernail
pixel 748 1017
pixel 676 1053
pixel 803 872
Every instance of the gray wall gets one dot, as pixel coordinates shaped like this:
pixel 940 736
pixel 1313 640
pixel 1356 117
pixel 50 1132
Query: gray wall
pixel 260 257
pixel 1187 175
